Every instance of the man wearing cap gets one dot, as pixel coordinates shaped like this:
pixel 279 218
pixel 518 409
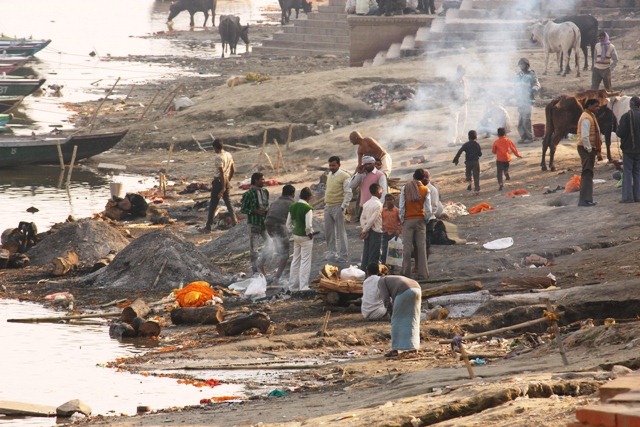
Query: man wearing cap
pixel 370 147
pixel 366 175
pixel 606 60
pixel 527 85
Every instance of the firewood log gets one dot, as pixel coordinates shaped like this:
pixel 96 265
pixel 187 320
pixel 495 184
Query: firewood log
pixel 147 328
pixel 207 315
pixel 138 308
pixel 119 330
pixel 103 262
pixel 63 265
pixel 240 324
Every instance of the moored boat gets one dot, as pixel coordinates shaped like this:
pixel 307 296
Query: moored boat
pixel 12 86
pixel 9 63
pixel 22 47
pixel 28 150
pixel 9 103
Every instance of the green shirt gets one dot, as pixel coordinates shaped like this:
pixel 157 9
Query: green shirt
pixel 253 199
pixel 298 211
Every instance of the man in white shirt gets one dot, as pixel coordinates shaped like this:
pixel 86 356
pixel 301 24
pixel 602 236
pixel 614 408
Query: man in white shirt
pixel 371 223
pixel 372 307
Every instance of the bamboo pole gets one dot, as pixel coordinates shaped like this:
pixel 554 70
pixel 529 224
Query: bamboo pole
pixel 467 363
pixel 170 158
pixel 130 91
pixel 58 319
pixel 171 95
pixel 95 113
pixel 289 136
pixel 505 329
pixel 155 282
pixel 325 323
pixel 73 159
pixel 149 105
pixel 60 157
pixel 556 331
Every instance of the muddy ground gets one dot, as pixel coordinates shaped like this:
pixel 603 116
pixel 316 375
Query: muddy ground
pixel 593 250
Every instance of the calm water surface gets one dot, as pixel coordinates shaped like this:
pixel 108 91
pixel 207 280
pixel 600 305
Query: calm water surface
pixel 50 364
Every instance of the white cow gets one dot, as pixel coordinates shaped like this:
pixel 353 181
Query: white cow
pixel 619 105
pixel 558 38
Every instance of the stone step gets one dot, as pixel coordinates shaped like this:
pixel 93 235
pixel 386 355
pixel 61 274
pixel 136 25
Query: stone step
pixel 272 51
pixel 322 23
pixel 473 36
pixel 341 3
pixel 328 47
pixel 340 16
pixel 296 29
pixel 330 9
pixel 311 38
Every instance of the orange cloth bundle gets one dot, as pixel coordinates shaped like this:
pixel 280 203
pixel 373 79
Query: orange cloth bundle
pixel 573 185
pixel 195 294
pixel 518 192
pixel 484 206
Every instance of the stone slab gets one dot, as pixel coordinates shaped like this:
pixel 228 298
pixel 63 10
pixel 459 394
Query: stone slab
pixel 8 407
pixel 620 385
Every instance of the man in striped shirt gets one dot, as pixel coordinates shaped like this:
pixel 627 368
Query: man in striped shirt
pixel 255 203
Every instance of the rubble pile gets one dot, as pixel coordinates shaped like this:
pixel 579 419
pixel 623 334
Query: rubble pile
pixel 89 238
pixel 381 96
pixel 157 261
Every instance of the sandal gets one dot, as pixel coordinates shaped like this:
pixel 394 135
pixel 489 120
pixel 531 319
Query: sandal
pixel 392 353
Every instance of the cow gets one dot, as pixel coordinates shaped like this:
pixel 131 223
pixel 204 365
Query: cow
pixel 231 31
pixel 562 115
pixel 588 26
pixel 287 5
pixel 558 38
pixel 193 6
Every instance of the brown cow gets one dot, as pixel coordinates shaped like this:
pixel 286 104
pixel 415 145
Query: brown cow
pixel 562 115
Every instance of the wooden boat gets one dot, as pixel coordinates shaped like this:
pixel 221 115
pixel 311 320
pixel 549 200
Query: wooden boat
pixel 10 63
pixel 22 47
pixel 9 103
pixel 12 86
pixel 5 118
pixel 29 150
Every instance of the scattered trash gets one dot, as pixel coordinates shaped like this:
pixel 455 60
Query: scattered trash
pixel 534 260
pixel 518 192
pixel 573 185
pixel 551 276
pixel 278 393
pixel 453 210
pixel 381 96
pixel 479 361
pixel 498 244
pixel 550 191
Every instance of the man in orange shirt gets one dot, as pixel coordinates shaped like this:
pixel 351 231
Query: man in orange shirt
pixel 391 224
pixel 502 148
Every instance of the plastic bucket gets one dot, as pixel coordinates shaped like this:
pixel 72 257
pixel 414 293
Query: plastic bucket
pixel 116 189
pixel 538 130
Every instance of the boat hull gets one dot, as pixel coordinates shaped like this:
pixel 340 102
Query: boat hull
pixel 22 47
pixel 9 103
pixel 19 87
pixel 16 151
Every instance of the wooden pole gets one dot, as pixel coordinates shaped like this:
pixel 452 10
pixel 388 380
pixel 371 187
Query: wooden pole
pixel 171 95
pixel 149 105
pixel 95 113
pixel 556 331
pixel 58 319
pixel 60 157
pixel 289 136
pixel 467 363
pixel 505 329
pixel 73 159
pixel 130 91
pixel 325 323
pixel 170 158
pixel 155 282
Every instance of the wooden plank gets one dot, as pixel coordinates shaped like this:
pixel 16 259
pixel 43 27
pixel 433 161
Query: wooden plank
pixel 451 289
pixel 8 407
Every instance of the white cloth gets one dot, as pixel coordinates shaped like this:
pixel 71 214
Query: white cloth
pixel 585 129
pixel 436 205
pixel 372 307
pixel 300 264
pixel 371 216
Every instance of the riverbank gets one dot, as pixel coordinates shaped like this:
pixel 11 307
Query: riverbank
pixel 593 251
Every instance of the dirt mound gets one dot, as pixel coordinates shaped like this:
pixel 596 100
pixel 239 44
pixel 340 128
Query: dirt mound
pixel 157 261
pixel 89 238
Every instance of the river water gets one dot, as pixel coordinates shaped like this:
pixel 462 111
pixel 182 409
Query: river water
pixel 53 363
pixel 50 364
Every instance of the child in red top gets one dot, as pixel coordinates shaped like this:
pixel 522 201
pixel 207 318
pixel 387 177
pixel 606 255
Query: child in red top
pixel 391 224
pixel 502 148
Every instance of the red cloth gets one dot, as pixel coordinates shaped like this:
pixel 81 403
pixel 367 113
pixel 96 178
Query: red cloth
pixel 518 192
pixel 484 206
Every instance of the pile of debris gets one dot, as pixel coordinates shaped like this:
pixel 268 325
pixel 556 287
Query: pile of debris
pixel 382 96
